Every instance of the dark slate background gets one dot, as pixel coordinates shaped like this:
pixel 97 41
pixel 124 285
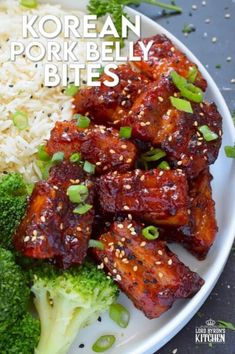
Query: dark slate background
pixel 213 42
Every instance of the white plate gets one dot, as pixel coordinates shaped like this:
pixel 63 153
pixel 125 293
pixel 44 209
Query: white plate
pixel 143 335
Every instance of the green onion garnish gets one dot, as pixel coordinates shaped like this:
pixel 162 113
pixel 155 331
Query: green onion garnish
pixel 77 193
pixel 89 167
pixel 71 90
pixel 192 74
pixel 119 314
pixel 187 90
pixel 44 167
pixel 20 120
pixel 42 154
pixel 125 132
pixel 82 121
pixel 208 134
pixel 164 165
pixel 82 209
pixel 228 325
pixel 57 157
pixel 96 244
pixel 230 151
pixel 153 155
pixel 150 232
pixel 30 4
pixel 103 343
pixel 76 157
pixel 181 105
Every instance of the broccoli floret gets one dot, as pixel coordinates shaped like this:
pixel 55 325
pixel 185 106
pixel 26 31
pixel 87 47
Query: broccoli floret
pixel 14 292
pixel 67 301
pixel 22 338
pixel 13 201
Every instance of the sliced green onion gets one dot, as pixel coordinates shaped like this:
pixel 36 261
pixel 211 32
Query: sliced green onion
pixel 153 155
pixel 96 244
pixel 42 154
pixel 164 6
pixel 100 70
pixel 230 151
pixel 125 132
pixel 29 188
pixel 57 157
pixel 150 232
pixel 77 193
pixel 82 209
pixel 104 343
pixel 82 121
pixel 89 167
pixel 30 4
pixel 71 90
pixel 76 157
pixel 20 120
pixel 193 72
pixel 119 314
pixel 187 90
pixel 44 167
pixel 164 165
pixel 208 134
pixel 181 105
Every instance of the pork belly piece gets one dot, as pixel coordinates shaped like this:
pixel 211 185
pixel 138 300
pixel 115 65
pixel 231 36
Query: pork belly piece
pixel 107 105
pixel 164 57
pixel 146 271
pixel 153 118
pixel 157 196
pixel 99 145
pixel 199 235
pixel 50 228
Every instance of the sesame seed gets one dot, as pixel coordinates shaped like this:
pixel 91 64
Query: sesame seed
pixel 35 233
pixel 123 146
pixel 135 268
pixel 112 151
pixel 43 219
pixel 229 59
pixel 129 160
pixel 129 216
pixel 158 262
pixel 232 81
pixel 160 275
pixel 114 271
pixel 98 163
pixel 26 239
pixel 161 173
pixel 194 7
pixel 227 15
pixel 61 226
pixel 100 266
pixel 214 39
pixel 142 178
pixel 123 239
pixel 179 163
pixel 79 228
pixel 160 99
pixel 170 138
pixel 118 277
pixel 121 158
pixel 170 262
pixel 143 244
pixel 106 260
pixel 160 252
pixel 120 226
pixel 126 207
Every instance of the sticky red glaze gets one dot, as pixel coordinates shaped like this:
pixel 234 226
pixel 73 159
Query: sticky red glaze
pixel 198 236
pixel 50 229
pixel 107 105
pixel 149 273
pixel 155 196
pixel 98 144
pixel 164 57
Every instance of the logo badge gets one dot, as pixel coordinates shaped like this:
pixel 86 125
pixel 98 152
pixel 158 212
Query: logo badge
pixel 210 333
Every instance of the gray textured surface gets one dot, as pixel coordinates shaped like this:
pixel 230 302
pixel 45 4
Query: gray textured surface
pixel 210 19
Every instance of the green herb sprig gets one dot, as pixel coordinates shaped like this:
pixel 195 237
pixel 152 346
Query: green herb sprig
pixel 115 8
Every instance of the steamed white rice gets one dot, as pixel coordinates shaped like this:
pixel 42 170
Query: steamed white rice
pixel 21 89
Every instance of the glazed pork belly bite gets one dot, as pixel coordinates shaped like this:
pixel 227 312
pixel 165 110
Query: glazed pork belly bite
pixel 107 105
pixel 99 145
pixel 50 228
pixel 153 118
pixel 165 57
pixel 156 196
pixel 198 236
pixel 146 271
